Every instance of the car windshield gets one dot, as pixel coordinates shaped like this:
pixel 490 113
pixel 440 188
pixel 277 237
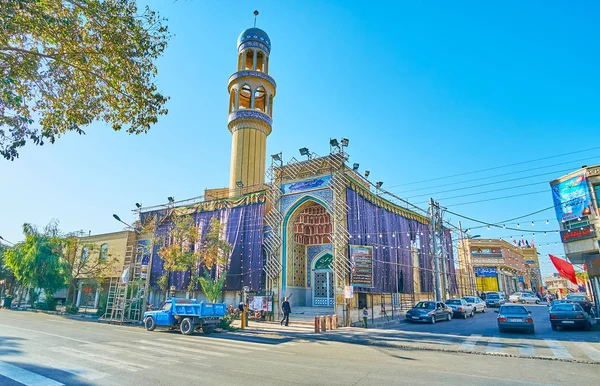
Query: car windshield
pixel 453 301
pixel 513 310
pixel 577 298
pixel 425 305
pixel 517 294
pixel 470 300
pixel 493 296
pixel 566 307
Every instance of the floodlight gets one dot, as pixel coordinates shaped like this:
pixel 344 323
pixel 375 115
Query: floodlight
pixel 276 157
pixel 171 199
pixel 333 142
pixel 239 184
pixel 367 173
pixel 138 205
pixel 304 151
pixel 378 184
pixel 345 142
pixel 355 167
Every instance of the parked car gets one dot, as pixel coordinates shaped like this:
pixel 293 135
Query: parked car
pixel 581 299
pixel 558 301
pixel 429 311
pixel 569 314
pixel 461 308
pixel 515 317
pixel 524 297
pixel 477 303
pixel 494 299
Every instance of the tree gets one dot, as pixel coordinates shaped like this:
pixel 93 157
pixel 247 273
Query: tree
pixel 68 63
pixel 36 262
pixel 214 252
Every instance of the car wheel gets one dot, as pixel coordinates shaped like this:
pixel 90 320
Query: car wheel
pixel 433 320
pixel 554 328
pixel 484 310
pixel 149 323
pixel 588 326
pixel 522 301
pixel 208 330
pixel 472 313
pixel 465 316
pixel 449 317
pixel 187 326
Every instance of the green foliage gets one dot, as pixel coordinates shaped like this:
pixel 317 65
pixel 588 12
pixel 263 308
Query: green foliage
pixel 49 304
pixel 102 299
pixel 5 271
pixel 68 63
pixel 212 288
pixel 72 310
pixel 37 261
pixel 225 322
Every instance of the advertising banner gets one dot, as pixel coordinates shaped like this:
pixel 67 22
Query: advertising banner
pixel 348 292
pixel 301 186
pixel 572 198
pixel 361 259
pixel 486 272
pixel 582 233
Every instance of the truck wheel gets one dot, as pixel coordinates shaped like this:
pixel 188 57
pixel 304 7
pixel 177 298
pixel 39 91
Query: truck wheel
pixel 149 323
pixel 187 326
pixel 208 330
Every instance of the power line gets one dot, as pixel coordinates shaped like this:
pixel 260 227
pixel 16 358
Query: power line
pixel 489 191
pixel 503 166
pixel 499 198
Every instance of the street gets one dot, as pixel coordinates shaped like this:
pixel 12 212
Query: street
pixel 41 349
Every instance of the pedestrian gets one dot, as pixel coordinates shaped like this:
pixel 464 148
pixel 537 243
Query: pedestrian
pixel 365 317
pixel 286 310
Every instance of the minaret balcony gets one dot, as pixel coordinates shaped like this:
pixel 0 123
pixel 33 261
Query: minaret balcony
pixel 257 74
pixel 248 113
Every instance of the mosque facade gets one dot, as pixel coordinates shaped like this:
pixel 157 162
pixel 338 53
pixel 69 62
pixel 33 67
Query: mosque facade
pixel 312 229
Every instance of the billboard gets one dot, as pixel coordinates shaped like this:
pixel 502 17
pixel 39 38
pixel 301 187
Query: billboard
pixel 572 198
pixel 581 233
pixel 486 272
pixel 361 259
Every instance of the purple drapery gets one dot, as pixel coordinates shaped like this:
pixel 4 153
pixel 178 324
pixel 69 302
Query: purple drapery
pixel 452 283
pixel 243 230
pixel 391 236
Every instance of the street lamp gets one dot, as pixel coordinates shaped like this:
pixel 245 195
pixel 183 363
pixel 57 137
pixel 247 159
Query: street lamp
pixel 6 241
pixel 123 222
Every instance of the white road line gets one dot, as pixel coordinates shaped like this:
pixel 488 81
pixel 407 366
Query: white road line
pixel 558 349
pixel 526 348
pixel 45 333
pixel 175 348
pixel 230 343
pixel 110 361
pixel 127 350
pixel 237 348
pixel 590 351
pixel 494 346
pixel 25 377
pixel 167 353
pixel 58 321
pixel 80 371
pixel 470 342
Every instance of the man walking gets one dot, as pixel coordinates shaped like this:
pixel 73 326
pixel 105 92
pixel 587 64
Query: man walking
pixel 365 317
pixel 286 309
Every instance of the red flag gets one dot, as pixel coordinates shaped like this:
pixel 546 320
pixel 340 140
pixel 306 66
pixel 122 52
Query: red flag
pixel 532 243
pixel 564 268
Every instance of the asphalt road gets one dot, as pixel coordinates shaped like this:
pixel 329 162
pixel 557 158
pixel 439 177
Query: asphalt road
pixel 40 349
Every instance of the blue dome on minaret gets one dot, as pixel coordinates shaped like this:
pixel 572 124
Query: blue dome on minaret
pixel 254 37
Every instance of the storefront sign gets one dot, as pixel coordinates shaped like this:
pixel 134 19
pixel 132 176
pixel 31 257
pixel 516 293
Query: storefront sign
pixel 521 279
pixel 530 262
pixel 572 198
pixel 581 233
pixel 486 272
pixel 348 292
pixel 361 258
pixel 301 186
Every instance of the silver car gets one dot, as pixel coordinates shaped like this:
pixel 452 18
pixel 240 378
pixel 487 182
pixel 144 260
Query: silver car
pixel 515 317
pixel 478 304
pixel 461 308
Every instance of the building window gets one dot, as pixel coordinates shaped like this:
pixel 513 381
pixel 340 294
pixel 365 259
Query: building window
pixel 103 252
pixel 245 97
pixel 260 99
pixel 85 253
pixel 260 61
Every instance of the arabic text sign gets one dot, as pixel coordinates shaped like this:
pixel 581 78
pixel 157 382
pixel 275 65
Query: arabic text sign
pixel 486 272
pixel 571 198
pixel 300 186
pixel 361 258
pixel 581 233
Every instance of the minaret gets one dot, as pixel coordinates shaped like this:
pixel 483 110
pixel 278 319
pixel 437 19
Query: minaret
pixel 251 93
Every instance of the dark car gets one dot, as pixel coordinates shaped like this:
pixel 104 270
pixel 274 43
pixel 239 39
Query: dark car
pixel 461 308
pixel 581 299
pixel 494 299
pixel 515 317
pixel 569 315
pixel 429 311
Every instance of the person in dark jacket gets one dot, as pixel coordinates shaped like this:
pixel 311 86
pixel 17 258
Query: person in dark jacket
pixel 286 309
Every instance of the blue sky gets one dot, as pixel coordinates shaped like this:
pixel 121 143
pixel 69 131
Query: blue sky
pixel 422 90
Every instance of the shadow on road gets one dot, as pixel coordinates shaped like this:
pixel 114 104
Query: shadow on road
pixel 10 345
pixel 51 373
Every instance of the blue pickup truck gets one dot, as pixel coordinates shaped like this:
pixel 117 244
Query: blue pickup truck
pixel 186 314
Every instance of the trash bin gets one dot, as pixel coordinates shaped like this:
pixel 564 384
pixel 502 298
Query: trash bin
pixel 7 302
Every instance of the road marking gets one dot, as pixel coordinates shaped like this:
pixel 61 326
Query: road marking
pixel 558 349
pixel 80 371
pixel 58 321
pixel 175 348
pixel 127 350
pixel 526 348
pixel 494 346
pixel 470 342
pixel 110 361
pixel 25 377
pixel 590 351
pixel 45 333
pixel 219 345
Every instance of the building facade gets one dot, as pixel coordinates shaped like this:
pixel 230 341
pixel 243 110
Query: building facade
pixel 559 286
pixel 496 265
pixel 577 201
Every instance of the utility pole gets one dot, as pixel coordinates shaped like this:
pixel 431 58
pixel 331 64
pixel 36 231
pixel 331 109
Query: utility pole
pixel 436 264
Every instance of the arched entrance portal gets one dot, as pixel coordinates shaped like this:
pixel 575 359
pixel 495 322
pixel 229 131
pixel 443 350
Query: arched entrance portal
pixel 307 254
pixel 323 281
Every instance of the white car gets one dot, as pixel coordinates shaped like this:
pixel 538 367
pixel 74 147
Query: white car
pixel 523 297
pixel 478 304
